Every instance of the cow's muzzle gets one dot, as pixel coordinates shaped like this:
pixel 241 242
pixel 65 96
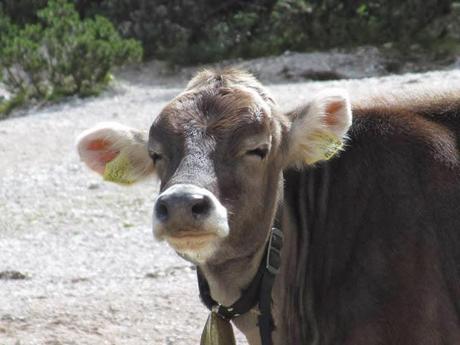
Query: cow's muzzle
pixel 189 217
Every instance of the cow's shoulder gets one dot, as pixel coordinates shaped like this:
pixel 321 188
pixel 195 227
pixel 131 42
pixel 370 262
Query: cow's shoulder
pixel 388 250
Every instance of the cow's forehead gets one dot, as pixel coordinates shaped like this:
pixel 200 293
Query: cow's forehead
pixel 218 111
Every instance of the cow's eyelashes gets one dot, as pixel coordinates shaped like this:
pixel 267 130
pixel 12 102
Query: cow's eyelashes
pixel 260 152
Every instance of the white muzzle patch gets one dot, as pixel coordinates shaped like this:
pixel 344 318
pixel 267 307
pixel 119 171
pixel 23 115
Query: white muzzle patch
pixel 196 239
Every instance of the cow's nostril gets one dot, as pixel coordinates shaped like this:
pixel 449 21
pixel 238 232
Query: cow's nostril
pixel 161 211
pixel 201 207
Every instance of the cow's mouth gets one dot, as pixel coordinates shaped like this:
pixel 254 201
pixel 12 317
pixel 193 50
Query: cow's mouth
pixel 191 241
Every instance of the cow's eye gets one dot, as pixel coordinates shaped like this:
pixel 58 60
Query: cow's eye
pixel 155 157
pixel 260 152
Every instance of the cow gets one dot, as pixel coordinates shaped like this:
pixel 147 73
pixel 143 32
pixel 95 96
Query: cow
pixel 366 195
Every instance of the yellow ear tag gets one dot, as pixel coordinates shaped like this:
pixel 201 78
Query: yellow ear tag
pixel 326 146
pixel 118 170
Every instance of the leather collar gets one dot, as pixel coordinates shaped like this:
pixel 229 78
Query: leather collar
pixel 258 293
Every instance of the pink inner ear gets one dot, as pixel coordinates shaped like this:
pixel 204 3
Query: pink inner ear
pixel 100 154
pixel 331 118
pixel 97 144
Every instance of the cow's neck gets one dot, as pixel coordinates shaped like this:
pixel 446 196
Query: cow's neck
pixel 305 210
pixel 227 280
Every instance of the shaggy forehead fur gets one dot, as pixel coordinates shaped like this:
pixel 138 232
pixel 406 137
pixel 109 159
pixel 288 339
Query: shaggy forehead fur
pixel 219 102
pixel 229 78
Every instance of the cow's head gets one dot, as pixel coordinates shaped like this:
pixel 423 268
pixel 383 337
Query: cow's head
pixel 219 149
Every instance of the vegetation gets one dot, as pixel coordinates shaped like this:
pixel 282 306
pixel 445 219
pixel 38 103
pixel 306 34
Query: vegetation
pixel 59 55
pixel 192 31
pixel 52 48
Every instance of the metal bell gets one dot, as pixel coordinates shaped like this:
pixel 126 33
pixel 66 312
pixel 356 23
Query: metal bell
pixel 217 331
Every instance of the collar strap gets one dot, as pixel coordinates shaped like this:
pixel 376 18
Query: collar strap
pixel 258 291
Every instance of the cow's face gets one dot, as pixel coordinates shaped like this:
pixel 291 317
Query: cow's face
pixel 219 150
pixel 216 152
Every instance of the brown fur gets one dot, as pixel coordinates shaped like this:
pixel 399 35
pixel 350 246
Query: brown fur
pixel 231 106
pixel 372 245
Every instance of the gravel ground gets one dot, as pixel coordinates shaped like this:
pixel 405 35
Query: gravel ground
pixel 83 265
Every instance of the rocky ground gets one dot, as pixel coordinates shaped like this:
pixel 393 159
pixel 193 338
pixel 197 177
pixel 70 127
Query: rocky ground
pixel 78 264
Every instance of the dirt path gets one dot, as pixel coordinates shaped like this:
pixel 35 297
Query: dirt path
pixel 94 274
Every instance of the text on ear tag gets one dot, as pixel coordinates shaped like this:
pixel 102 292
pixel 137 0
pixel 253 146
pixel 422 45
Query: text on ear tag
pixel 326 145
pixel 118 170
pixel 217 331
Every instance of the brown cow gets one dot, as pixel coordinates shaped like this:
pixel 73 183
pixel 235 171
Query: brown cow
pixel 372 235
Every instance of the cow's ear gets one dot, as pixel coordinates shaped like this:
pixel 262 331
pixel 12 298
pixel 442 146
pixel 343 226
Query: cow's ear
pixel 116 152
pixel 318 129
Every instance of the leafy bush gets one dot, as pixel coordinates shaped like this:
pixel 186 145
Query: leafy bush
pixel 191 31
pixel 60 54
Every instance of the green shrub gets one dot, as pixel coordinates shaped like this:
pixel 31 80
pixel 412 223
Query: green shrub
pixel 187 31
pixel 61 55
pixel 192 31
